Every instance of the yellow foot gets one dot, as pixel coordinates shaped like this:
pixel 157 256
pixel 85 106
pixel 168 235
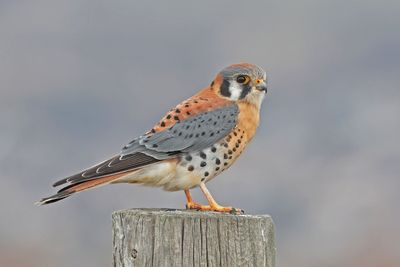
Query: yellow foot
pixel 217 208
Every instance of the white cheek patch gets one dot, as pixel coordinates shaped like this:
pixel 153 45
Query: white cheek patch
pixel 235 90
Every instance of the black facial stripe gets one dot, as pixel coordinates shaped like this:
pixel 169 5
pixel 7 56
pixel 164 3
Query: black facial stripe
pixel 225 88
pixel 245 90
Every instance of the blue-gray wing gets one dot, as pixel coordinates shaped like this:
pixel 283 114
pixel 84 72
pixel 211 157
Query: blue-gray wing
pixel 193 134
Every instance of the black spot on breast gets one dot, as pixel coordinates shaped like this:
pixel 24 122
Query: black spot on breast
pixel 187 127
pixel 188 158
pixel 225 156
pixel 206 174
pixel 177 110
pixel 190 135
pixel 168 117
pixel 212 84
pixel 190 168
pixel 213 149
pixel 202 179
pixel 203 133
pixel 176 118
pixel 162 124
pixel 203 164
pixel 197 135
pixel 211 134
pixel 224 89
pixel 229 152
pixel 155 145
pixel 226 163
pixel 203 155
pixel 217 161
pixel 153 131
pixel 217 169
pixel 187 105
pixel 187 112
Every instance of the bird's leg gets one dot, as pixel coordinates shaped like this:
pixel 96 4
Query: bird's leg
pixel 214 206
pixel 190 204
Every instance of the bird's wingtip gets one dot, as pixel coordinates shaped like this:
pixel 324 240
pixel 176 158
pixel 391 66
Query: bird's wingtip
pixel 54 198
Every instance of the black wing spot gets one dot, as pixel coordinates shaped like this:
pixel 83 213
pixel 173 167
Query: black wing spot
pixel 162 124
pixel 203 164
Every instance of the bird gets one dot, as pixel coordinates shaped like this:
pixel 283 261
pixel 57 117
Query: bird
pixel 193 143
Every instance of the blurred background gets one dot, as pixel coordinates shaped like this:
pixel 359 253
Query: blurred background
pixel 80 79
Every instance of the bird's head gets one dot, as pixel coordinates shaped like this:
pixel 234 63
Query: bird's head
pixel 241 82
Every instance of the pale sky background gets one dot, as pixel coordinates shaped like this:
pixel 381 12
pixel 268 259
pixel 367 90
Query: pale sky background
pixel 79 79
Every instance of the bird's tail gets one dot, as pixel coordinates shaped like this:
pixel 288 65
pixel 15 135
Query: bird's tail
pixel 78 187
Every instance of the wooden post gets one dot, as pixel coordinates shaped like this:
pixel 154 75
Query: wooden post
pixel 162 237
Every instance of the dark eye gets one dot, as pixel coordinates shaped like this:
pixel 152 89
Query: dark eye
pixel 242 79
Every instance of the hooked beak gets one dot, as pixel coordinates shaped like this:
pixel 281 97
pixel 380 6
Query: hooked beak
pixel 262 86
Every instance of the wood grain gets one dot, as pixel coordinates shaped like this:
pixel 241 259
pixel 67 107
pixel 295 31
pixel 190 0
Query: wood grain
pixel 154 237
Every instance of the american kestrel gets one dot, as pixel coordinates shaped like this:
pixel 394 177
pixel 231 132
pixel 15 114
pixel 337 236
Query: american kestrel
pixel 194 142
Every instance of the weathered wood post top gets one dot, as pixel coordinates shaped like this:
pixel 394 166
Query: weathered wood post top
pixel 164 237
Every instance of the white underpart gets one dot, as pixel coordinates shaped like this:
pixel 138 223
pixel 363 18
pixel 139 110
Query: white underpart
pixel 157 174
pixel 256 97
pixel 235 89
